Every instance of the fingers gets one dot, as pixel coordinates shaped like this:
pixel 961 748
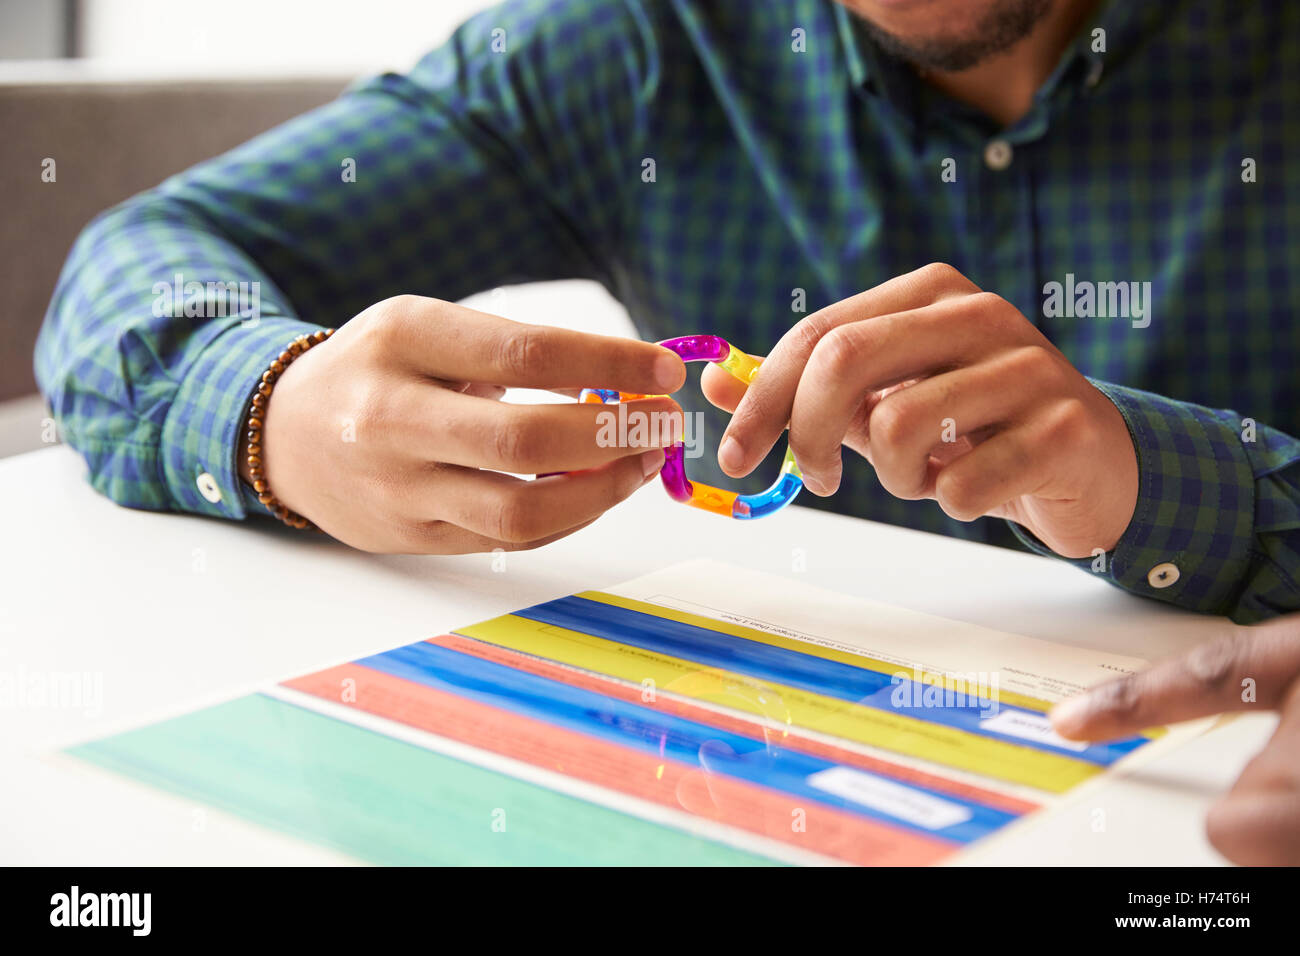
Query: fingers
pixel 454 343
pixel 477 390
pixel 528 439
pixel 442 537
pixel 906 424
pixel 850 351
pixel 1012 463
pixel 1247 669
pixel 513 510
pixel 1037 461
pixel 989 475
pixel 1257 828
pixel 913 290
pixel 1258 822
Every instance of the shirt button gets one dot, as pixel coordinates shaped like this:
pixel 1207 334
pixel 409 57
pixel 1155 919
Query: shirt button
pixel 1163 575
pixel 997 155
pixel 208 488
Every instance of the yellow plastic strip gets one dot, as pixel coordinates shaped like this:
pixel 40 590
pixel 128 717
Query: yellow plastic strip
pixel 1010 698
pixel 740 364
pixel 790 466
pixel 942 745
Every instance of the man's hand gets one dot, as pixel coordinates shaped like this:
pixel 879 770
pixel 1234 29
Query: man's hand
pixel 951 394
pixel 389 435
pixel 1258 821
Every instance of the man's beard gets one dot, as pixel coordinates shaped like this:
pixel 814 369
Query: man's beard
pixel 1004 25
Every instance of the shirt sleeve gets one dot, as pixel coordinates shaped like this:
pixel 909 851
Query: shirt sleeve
pixel 1217 523
pixel 500 158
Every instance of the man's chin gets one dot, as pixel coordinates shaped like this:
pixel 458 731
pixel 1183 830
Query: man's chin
pixel 894 4
pixel 997 28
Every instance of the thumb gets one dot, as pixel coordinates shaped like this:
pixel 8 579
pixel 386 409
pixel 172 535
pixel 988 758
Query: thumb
pixel 721 387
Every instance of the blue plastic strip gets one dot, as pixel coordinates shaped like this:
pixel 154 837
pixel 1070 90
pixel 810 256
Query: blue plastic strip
pixel 805 671
pixel 764 503
pixel 654 732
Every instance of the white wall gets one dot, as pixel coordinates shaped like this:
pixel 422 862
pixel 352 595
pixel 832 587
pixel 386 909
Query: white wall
pixel 238 38
pixel 30 29
pixel 268 36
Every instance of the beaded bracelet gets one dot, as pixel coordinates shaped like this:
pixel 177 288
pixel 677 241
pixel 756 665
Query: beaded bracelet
pixel 256 415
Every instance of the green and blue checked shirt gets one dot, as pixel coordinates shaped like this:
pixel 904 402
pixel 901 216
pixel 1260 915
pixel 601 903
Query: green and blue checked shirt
pixel 793 165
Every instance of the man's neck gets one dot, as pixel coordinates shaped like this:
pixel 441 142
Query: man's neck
pixel 1003 86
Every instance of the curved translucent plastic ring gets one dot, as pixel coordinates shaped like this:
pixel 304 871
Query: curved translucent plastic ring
pixel 712 348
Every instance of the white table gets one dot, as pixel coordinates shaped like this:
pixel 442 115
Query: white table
pixel 168 612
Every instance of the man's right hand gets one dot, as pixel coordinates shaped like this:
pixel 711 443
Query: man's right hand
pixel 390 436
pixel 1257 823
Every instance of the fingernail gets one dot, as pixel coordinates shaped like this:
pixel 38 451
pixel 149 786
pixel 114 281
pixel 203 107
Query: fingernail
pixel 730 455
pixel 668 371
pixel 652 461
pixel 1069 714
pixel 812 484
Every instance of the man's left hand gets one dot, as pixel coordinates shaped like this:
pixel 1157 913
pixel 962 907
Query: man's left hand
pixel 951 394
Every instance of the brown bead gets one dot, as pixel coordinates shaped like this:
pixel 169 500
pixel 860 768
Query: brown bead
pixel 265 497
pixel 259 401
pixel 264 388
pixel 254 448
pixel 254 461
pixel 252 436
pixel 260 487
pixel 277 366
pixel 254 423
pixel 285 357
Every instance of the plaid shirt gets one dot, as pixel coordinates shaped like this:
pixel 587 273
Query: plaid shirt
pixel 727 167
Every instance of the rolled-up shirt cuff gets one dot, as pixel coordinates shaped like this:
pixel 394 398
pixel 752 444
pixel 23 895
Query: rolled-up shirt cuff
pixel 201 435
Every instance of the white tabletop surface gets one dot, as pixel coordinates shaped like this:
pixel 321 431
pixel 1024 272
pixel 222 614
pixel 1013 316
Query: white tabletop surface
pixel 170 611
